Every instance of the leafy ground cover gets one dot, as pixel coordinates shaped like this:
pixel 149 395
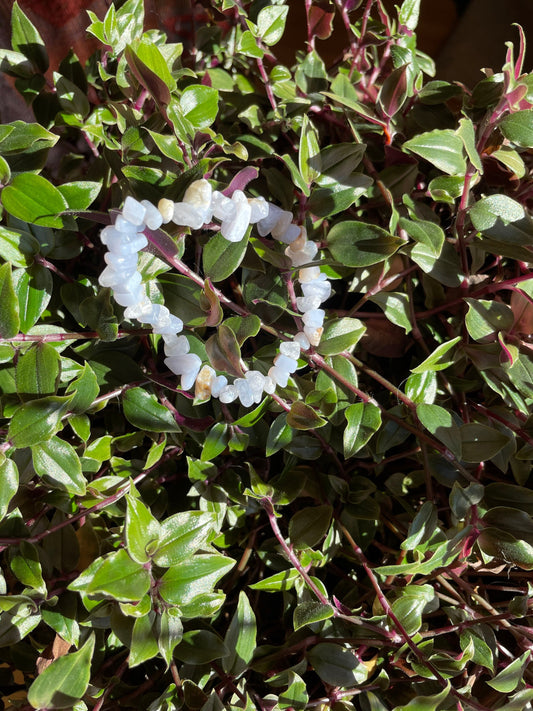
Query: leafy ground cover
pixel 361 538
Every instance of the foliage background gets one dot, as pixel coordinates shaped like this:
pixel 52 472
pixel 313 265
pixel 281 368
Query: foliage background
pixel 364 539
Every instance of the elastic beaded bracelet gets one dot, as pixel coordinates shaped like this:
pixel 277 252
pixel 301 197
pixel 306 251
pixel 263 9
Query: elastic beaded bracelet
pixel 200 205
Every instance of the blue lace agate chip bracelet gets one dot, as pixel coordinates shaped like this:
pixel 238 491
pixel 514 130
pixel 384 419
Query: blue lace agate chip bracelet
pixel 201 204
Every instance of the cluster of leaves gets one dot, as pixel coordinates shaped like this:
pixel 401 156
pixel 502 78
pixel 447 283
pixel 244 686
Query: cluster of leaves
pixel 364 538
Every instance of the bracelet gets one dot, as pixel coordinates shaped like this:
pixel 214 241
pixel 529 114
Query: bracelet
pixel 201 204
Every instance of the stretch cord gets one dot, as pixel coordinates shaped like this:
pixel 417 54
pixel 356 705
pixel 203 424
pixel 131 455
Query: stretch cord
pixel 125 239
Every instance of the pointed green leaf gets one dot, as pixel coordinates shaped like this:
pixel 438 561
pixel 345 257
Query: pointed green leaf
pixel 120 577
pixel 240 638
pixel 143 410
pixel 181 535
pixel 57 463
pixel 141 529
pixel 37 421
pixel 9 307
pixel 34 199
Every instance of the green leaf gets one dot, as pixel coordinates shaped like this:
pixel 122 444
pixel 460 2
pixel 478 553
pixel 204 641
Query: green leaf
pixel 357 244
pixel 248 45
pixel 309 150
pixel 505 547
pixel 141 529
pixel 9 476
pixel 199 105
pixel 33 199
pixel 279 435
pixel 486 318
pixel 503 219
pixel 223 351
pixel 409 607
pixel 169 632
pixel 395 306
pixel 436 361
pixel 150 69
pixel 80 194
pixel 518 128
pixel 144 644
pixel 445 268
pixel 143 410
pixel 240 638
pixel 467 135
pixel 408 14
pixel 180 585
pixel 200 646
pixel 480 443
pixel 181 535
pixel 18 620
pixel 222 258
pixel 17 247
pixel 340 335
pixel 308 526
pixel 422 527
pixel 37 371
pixel 442 148
pixel 37 421
pixel 304 417
pixel 440 423
pixel 511 676
pixel 120 577
pixel 33 287
pixel 65 681
pixel 310 612
pixel 9 307
pixel 424 231
pixel 57 463
pixel 427 702
pixel 27 40
pixel 271 23
pixel 363 419
pixel 26 567
pixel 279 582
pixel 216 441
pixel 85 390
pixel 337 665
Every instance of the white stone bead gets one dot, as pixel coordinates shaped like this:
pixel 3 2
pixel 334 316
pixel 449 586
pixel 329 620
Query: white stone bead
pixel 269 385
pixel 290 235
pixel 183 363
pixel 173 325
pixel 107 232
pixel 314 318
pixel 189 377
pixel 222 206
pixel 306 303
pixel 127 227
pixel 279 376
pixel 218 384
pixel 313 334
pixel 121 261
pixel 153 217
pixel 179 345
pixel 228 394
pixel 187 215
pixel 320 287
pixel 308 274
pixel 235 229
pixel 198 195
pixel 134 312
pixel 290 349
pixel 166 209
pixel 155 313
pixel 265 225
pixel 129 297
pixel 244 392
pixel 204 381
pixel 134 211
pixel 256 381
pixel 282 225
pixel 302 256
pixel 119 279
pixel 285 363
pixel 302 341
pixel 300 242
pixel 126 244
pixel 259 207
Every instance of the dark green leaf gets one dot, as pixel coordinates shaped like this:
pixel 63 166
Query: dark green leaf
pixel 357 244
pixel 9 307
pixel 307 613
pixel 65 681
pixel 240 638
pixel 340 335
pixel 362 421
pixel 308 526
pixel 143 410
pixel 37 421
pixel 304 417
pixel 37 371
pixel 26 39
pixel 33 199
